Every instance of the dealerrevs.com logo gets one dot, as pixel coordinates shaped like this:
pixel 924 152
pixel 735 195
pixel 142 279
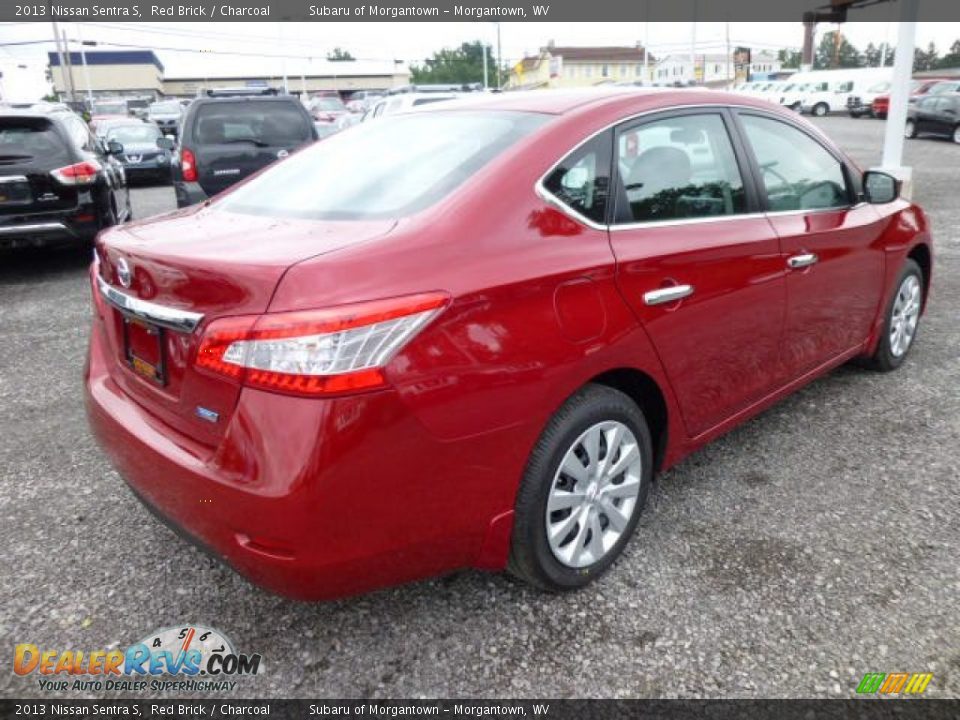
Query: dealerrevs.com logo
pixel 179 659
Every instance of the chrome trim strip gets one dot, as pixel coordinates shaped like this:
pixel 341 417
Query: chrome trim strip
pixel 667 294
pixel 540 189
pixel 33 227
pixel 13 178
pixel 814 211
pixel 170 318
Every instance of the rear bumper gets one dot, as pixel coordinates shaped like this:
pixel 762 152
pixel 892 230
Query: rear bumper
pixel 188 193
pixel 312 499
pixel 47 230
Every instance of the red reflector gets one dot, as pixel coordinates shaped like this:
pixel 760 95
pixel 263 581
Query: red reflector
pixel 84 218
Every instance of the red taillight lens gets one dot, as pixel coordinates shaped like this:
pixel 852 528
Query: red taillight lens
pixel 188 165
pixel 81 173
pixel 316 352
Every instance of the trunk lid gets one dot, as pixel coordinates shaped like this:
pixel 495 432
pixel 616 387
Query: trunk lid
pixel 206 262
pixel 30 148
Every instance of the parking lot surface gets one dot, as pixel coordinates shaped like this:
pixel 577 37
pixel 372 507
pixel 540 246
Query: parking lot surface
pixel 814 544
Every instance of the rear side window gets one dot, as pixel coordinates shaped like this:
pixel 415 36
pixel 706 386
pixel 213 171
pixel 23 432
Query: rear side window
pixel 798 173
pixel 31 140
pixel 383 169
pixel 678 168
pixel 581 181
pixel 268 123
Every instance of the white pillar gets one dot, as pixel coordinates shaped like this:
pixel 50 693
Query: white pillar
pixel 900 90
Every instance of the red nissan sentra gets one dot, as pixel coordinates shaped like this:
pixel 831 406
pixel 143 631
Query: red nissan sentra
pixel 469 336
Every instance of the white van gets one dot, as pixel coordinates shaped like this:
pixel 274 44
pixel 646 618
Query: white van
pixel 831 89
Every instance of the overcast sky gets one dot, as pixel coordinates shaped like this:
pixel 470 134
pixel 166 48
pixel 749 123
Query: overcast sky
pixel 410 42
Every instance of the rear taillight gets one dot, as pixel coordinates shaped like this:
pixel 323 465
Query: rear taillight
pixel 188 165
pixel 81 173
pixel 316 352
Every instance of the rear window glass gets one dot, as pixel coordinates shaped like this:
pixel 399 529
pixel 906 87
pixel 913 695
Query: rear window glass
pixel 30 141
pixel 134 133
pixel 110 108
pixel 165 108
pixel 383 169
pixel 268 123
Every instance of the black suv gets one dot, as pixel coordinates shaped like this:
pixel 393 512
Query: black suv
pixel 58 183
pixel 228 136
pixel 937 114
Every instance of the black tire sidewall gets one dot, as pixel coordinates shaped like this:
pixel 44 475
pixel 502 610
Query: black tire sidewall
pixel 884 357
pixel 531 549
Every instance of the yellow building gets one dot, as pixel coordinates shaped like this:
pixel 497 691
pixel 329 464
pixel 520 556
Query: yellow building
pixel 559 67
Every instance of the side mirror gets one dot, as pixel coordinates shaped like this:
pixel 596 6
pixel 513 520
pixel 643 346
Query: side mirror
pixel 880 187
pixel 114 148
pixel 165 143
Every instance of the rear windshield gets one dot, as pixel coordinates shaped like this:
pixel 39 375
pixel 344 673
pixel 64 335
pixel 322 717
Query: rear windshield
pixel 30 140
pixel 110 108
pixel 327 103
pixel 268 123
pixel 383 169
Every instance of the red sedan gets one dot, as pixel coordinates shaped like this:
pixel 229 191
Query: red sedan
pixel 469 336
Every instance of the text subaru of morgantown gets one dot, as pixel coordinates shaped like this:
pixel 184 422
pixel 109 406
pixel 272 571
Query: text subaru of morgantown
pixel 469 336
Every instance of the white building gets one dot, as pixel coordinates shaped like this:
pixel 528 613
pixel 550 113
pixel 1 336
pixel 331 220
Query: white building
pixel 714 69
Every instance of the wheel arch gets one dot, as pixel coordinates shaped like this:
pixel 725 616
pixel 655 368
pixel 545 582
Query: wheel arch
pixel 921 254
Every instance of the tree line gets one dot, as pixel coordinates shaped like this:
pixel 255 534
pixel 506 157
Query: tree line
pixel 838 52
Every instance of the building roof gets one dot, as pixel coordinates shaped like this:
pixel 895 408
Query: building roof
pixel 598 54
pixel 109 57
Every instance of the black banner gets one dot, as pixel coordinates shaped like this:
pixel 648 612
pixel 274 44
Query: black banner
pixel 466 10
pixel 470 709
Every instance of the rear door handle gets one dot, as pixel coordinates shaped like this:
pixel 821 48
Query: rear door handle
pixel 802 261
pixel 667 294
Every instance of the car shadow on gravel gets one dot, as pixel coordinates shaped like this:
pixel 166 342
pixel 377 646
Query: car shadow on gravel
pixel 24 264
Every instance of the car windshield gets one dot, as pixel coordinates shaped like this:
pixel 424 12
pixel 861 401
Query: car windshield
pixel 131 134
pixel 110 108
pixel 165 108
pixel 788 87
pixel 383 169
pixel 327 103
pixel 942 88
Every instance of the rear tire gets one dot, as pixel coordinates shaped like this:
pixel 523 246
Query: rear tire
pixel 956 134
pixel 901 322
pixel 597 432
pixel 910 129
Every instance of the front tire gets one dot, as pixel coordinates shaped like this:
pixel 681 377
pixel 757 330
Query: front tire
pixel 956 134
pixel 902 320
pixel 583 490
pixel 820 109
pixel 910 129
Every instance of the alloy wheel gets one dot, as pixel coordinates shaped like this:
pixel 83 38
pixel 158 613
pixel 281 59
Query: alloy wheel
pixel 906 315
pixel 956 134
pixel 593 494
pixel 909 129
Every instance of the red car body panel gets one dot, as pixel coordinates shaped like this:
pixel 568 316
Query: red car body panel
pixel 322 497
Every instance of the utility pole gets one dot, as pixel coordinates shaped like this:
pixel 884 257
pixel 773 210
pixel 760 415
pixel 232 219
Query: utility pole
pixel 66 53
pixel 86 70
pixel 693 44
pixel 646 47
pixel 499 58
pixel 728 54
pixel 63 62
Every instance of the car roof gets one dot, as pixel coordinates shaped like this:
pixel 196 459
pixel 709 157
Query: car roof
pixel 561 102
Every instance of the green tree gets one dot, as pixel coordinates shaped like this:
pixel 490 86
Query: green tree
pixel 789 58
pixel 830 56
pixel 926 59
pixel 456 65
pixel 338 55
pixel 952 58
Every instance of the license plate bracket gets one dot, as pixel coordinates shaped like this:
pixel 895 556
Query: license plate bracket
pixel 143 349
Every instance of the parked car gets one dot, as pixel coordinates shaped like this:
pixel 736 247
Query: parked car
pixel 58 184
pixel 393 104
pixel 166 114
pixel 225 139
pixel 934 114
pixel 861 103
pixel 469 336
pixel 106 110
pixel 918 88
pixel 142 157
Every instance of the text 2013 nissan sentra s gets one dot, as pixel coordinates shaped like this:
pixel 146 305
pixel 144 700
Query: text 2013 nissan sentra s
pixel 469 336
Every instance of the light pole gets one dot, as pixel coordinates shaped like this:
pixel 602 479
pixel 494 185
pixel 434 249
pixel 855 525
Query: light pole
pixel 499 58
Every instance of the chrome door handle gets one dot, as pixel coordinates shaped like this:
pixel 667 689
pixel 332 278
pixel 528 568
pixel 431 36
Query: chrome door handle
pixel 802 261
pixel 667 294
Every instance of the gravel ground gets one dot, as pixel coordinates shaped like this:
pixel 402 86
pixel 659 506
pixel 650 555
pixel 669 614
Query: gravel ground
pixel 813 544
